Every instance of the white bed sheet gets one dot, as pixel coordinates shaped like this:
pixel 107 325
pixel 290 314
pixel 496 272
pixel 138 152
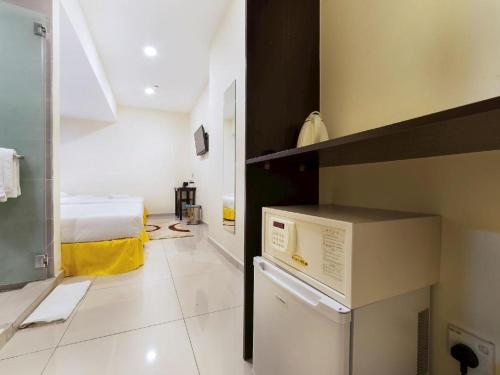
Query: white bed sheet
pixel 87 219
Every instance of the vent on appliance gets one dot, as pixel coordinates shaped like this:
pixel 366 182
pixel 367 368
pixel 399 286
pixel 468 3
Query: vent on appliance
pixel 423 342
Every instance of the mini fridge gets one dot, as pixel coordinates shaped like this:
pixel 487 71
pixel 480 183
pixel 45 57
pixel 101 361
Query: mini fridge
pixel 300 331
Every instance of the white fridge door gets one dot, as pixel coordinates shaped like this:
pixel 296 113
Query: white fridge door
pixel 297 329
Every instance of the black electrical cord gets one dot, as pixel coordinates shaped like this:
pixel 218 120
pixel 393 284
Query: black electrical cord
pixel 465 356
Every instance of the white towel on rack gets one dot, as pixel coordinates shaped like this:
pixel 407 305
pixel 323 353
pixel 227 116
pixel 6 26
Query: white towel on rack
pixel 10 186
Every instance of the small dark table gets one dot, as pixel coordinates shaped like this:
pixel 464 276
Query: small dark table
pixel 183 195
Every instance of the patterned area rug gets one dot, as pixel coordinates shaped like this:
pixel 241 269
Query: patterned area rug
pixel 164 229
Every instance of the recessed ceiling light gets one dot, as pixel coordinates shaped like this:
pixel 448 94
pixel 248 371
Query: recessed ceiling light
pixel 150 51
pixel 151 356
pixel 151 90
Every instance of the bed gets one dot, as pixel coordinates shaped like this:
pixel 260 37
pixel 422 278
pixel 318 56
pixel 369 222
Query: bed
pixel 102 235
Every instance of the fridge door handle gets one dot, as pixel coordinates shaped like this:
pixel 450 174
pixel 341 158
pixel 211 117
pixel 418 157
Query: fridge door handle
pixel 303 292
pixel 261 266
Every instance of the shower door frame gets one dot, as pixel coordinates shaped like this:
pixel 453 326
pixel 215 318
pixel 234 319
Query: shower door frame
pixel 46 51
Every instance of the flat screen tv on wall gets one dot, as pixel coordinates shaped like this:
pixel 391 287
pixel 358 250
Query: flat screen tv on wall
pixel 201 141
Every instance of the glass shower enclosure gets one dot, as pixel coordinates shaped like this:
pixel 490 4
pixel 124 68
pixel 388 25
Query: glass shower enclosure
pixel 25 233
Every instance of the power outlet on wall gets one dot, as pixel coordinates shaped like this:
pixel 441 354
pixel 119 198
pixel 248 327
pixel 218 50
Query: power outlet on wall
pixel 484 350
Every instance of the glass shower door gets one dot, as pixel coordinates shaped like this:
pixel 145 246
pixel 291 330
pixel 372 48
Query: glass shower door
pixel 23 220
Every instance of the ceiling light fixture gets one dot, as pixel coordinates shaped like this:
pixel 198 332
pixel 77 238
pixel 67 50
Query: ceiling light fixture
pixel 151 356
pixel 150 51
pixel 151 90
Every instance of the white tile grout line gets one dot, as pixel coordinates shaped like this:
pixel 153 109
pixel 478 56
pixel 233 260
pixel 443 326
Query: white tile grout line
pixel 180 306
pixel 119 333
pixel 130 284
pixel 24 354
pixel 111 334
pixel 204 273
pixel 133 330
pixel 212 312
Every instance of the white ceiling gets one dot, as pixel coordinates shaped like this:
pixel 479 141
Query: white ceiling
pixel 85 92
pixel 181 31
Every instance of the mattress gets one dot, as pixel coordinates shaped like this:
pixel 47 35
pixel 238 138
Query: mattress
pixel 89 218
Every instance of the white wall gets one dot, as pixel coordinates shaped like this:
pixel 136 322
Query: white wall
pixel 388 61
pixel 463 189
pixel 227 63
pixel 383 63
pixel 144 153
pixel 200 165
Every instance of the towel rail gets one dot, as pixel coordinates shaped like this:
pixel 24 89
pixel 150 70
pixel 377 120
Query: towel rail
pixel 19 156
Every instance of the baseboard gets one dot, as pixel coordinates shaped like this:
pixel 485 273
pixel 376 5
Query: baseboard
pixel 226 254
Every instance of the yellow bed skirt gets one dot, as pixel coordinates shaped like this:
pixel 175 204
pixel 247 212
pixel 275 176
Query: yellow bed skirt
pixel 104 257
pixel 228 213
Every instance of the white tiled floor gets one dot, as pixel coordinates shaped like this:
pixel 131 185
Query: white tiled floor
pixel 215 333
pixel 179 314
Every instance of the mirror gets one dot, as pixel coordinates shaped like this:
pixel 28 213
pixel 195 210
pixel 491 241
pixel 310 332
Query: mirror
pixel 229 159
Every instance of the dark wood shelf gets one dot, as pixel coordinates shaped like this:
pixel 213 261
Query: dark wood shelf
pixel 470 128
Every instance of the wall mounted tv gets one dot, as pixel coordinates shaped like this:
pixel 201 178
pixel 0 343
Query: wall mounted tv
pixel 201 141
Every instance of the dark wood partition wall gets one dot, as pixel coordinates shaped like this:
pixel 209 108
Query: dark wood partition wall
pixel 282 89
pixel 282 72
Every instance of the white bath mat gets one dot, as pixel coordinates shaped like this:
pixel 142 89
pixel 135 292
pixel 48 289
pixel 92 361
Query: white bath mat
pixel 58 305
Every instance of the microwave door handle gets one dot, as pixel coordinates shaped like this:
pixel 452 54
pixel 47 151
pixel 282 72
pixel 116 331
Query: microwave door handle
pixel 262 268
